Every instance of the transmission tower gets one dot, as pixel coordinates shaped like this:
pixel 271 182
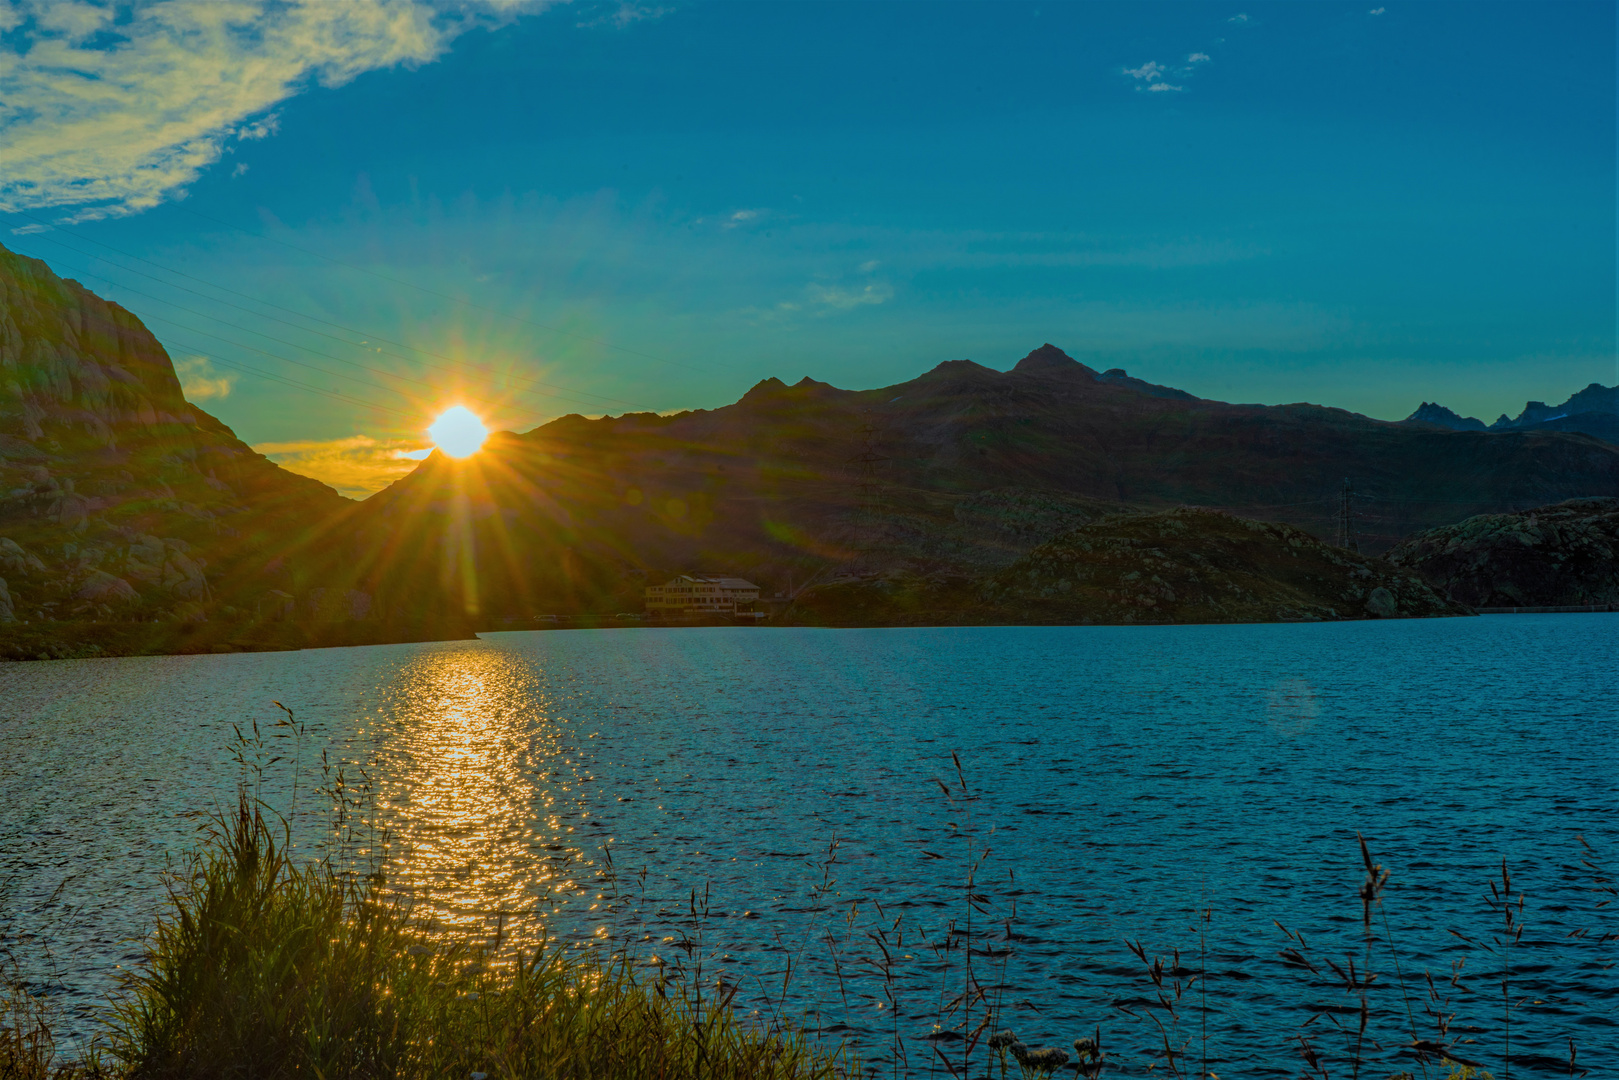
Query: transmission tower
pixel 1346 518
pixel 870 492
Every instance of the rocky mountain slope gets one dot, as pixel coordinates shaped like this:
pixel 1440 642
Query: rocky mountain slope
pixel 1175 566
pixel 130 519
pixel 1567 554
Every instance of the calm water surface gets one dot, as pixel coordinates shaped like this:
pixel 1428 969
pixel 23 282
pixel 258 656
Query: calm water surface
pixel 1121 779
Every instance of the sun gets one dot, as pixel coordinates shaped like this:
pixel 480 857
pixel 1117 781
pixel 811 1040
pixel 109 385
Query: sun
pixel 458 431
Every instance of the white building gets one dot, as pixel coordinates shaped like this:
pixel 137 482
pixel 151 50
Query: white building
pixel 689 594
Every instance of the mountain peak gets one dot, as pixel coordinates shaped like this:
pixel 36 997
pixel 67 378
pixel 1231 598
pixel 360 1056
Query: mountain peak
pixel 765 388
pixel 1048 359
pixel 1431 412
pixel 960 367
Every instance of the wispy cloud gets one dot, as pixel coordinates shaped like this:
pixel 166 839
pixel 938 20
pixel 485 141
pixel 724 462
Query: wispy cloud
pixel 356 466
pixel 1377 11
pixel 742 217
pixel 1198 58
pixel 111 108
pixel 626 14
pixel 1157 86
pixel 200 381
pixel 838 298
pixel 1238 18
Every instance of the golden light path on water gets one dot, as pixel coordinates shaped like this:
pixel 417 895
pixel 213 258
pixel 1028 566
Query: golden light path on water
pixel 470 824
pixel 775 798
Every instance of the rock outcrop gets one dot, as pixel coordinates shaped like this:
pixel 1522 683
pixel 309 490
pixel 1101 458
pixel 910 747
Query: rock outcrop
pixel 1554 556
pixel 1176 566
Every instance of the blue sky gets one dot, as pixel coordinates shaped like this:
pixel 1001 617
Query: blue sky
pixel 597 207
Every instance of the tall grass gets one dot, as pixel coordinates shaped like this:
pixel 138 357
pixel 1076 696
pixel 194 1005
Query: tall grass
pixel 264 968
pixel 264 965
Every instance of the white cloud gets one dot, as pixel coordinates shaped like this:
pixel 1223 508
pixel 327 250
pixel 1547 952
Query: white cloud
pixel 199 381
pixel 837 298
pixel 26 230
pixel 1239 18
pixel 113 108
pixel 1377 11
pixel 869 265
pixel 1198 58
pixel 1152 73
pixel 241 167
pixel 742 217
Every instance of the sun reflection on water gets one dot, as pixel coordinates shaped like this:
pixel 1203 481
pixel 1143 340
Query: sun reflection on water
pixel 473 775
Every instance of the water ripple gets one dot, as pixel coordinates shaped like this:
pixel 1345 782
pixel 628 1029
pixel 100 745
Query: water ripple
pixel 1121 780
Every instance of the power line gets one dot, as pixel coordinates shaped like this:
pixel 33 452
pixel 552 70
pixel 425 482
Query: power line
pixel 556 391
pixel 336 395
pixel 280 341
pixel 278 356
pixel 443 296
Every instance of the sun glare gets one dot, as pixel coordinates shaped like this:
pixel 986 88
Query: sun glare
pixel 458 431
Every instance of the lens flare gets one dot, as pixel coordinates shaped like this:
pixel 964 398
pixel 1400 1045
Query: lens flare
pixel 458 431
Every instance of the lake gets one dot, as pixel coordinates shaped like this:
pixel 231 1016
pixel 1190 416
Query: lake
pixel 1149 784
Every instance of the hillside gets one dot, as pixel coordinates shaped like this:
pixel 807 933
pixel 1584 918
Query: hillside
pixel 130 519
pixel 1552 556
pixel 1174 566
pixel 959 471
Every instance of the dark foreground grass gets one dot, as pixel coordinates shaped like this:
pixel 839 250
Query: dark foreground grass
pixel 262 968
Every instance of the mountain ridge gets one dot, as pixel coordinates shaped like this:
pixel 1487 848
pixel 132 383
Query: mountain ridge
pixel 1593 411
pixel 791 479
pixel 129 507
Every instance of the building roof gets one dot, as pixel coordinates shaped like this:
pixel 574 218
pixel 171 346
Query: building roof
pixel 722 582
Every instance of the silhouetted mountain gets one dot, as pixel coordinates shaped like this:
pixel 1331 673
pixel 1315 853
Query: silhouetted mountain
pixel 918 478
pixel 1594 400
pixel 135 519
pixel 1593 411
pixel 1431 412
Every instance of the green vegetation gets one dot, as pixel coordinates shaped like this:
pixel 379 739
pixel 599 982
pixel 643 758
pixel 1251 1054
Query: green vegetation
pixel 265 968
